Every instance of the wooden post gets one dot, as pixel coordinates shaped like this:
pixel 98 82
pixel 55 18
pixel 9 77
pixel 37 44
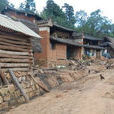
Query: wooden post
pixel 16 82
pixel 40 85
pixel 5 81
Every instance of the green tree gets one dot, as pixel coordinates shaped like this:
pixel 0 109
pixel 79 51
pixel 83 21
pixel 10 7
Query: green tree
pixel 3 4
pixel 95 24
pixel 53 11
pixel 98 25
pixel 69 12
pixel 28 5
pixel 81 18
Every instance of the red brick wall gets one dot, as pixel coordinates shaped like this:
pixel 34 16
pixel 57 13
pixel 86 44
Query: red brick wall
pixel 58 53
pixel 61 51
pixel 48 54
pixel 79 52
pixel 45 45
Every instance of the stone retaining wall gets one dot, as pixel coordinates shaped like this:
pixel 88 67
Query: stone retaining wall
pixel 11 96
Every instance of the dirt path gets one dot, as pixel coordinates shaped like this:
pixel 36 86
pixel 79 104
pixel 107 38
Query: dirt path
pixel 87 96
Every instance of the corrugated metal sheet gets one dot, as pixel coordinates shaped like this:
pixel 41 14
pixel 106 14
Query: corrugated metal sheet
pixel 17 26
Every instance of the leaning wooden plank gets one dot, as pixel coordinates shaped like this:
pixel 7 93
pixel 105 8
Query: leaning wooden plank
pixel 14 53
pixel 4 55
pixel 14 65
pixel 39 84
pixel 9 60
pixel 16 82
pixel 5 81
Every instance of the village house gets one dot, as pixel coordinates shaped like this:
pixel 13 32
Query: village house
pixel 29 19
pixel 108 44
pixel 16 50
pixel 58 43
pixel 92 46
pixel 67 42
pixel 20 14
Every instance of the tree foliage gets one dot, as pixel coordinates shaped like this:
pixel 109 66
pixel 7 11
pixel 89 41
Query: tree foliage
pixel 3 4
pixel 95 24
pixel 81 18
pixel 69 13
pixel 28 5
pixel 53 11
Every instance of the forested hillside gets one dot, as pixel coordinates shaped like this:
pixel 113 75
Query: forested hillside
pixel 94 24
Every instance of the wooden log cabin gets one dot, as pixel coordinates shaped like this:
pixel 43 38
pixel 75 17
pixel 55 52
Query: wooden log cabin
pixel 15 45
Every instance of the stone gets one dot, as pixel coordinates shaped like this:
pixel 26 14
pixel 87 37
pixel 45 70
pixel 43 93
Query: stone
pixel 5 105
pixel 1 100
pixel 4 91
pixel 11 88
pixel 6 98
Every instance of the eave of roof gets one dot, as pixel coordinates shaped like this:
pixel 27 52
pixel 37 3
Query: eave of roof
pixel 109 42
pixel 22 11
pixel 93 47
pixel 63 28
pixel 66 41
pixel 92 38
pixel 73 43
pixel 30 25
pixel 51 24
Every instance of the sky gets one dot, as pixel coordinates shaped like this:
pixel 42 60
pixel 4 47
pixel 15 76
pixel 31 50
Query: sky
pixel 106 6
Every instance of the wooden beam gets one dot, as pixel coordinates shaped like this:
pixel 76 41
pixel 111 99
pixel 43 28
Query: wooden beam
pixel 16 69
pixel 14 53
pixel 14 42
pixel 4 55
pixel 14 65
pixel 12 48
pixel 10 60
pixel 5 81
pixel 16 46
pixel 39 84
pixel 16 82
pixel 16 38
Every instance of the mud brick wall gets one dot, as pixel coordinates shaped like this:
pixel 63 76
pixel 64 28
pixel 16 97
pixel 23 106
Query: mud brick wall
pixel 48 54
pixel 42 57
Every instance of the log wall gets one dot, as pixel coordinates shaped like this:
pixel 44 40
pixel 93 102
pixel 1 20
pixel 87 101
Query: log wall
pixel 15 52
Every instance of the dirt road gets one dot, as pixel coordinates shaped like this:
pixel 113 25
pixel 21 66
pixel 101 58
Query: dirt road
pixel 87 96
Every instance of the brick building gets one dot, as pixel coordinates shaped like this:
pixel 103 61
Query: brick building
pixel 58 43
pixel 92 46
pixel 108 44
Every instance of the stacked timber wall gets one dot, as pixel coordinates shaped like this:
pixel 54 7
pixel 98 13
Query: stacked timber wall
pixel 15 52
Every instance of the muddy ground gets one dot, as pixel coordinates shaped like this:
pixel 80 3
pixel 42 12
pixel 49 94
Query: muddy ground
pixel 89 95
